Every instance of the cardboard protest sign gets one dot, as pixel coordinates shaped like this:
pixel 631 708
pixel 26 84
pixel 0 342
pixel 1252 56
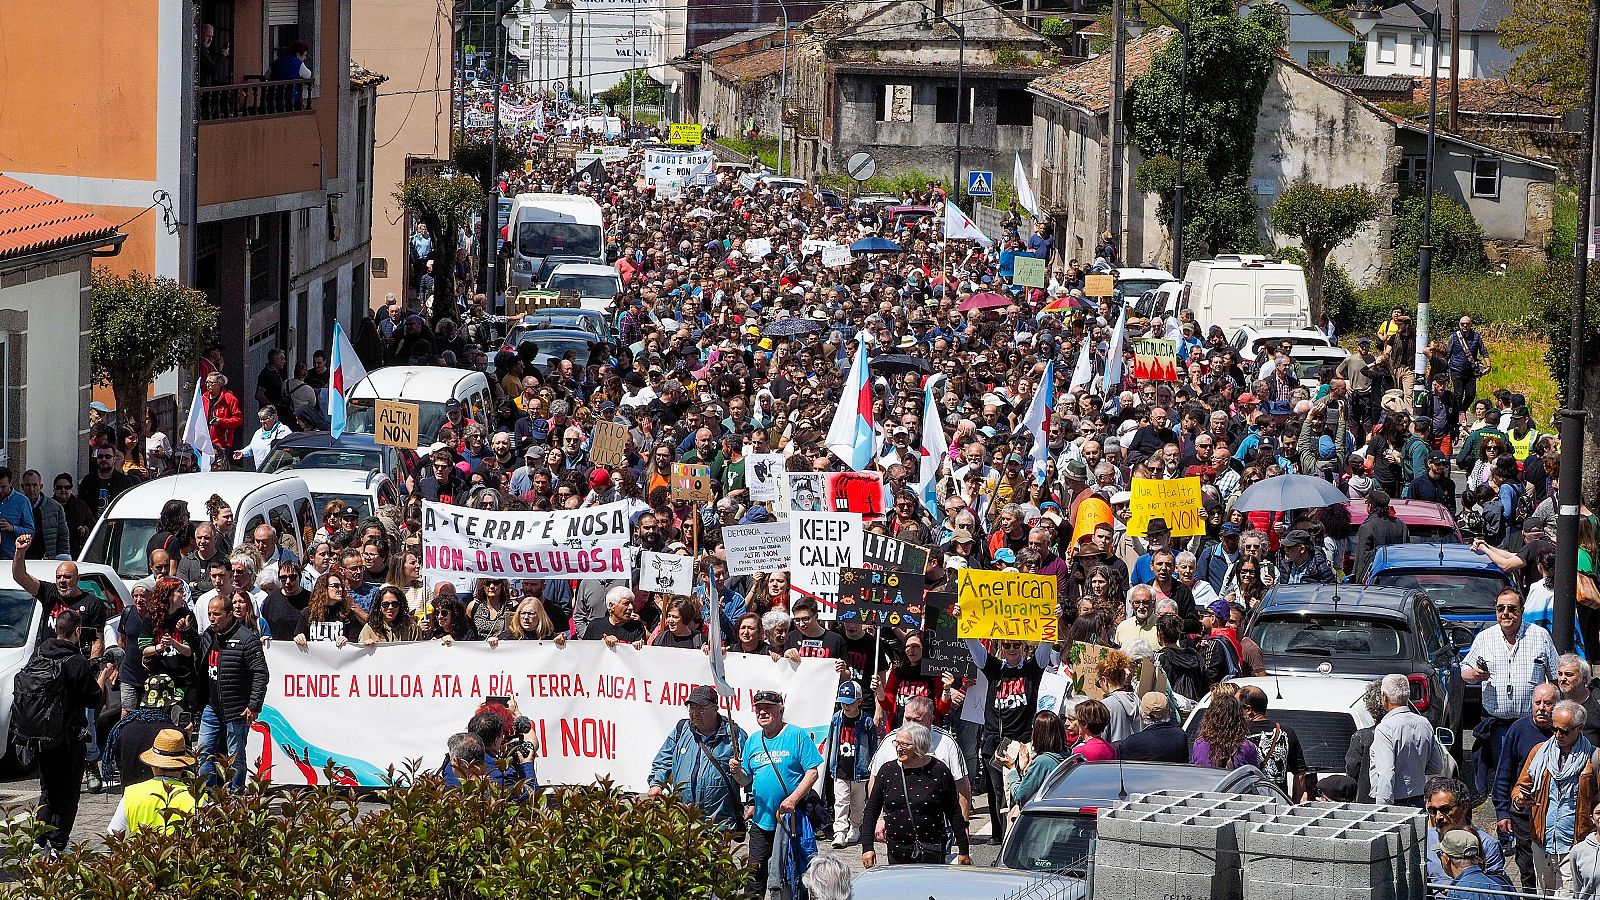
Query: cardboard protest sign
pixel 610 444
pixel 1084 659
pixel 942 649
pixel 1099 285
pixel 835 255
pixel 762 472
pixel 692 481
pixel 840 492
pixel 1176 500
pixel 395 423
pixel 756 548
pixel 889 554
pixel 1027 271
pixel 757 248
pixel 880 598
pixel 1155 359
pixel 821 544
pixel 666 573
pixel 1007 605
pixel 460 543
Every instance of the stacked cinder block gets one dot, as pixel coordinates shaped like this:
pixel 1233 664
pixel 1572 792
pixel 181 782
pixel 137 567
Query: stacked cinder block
pixel 1176 844
pixel 1335 851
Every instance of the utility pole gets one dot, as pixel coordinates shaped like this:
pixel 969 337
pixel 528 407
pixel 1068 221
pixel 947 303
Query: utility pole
pixel 1455 61
pixel 1119 57
pixel 1569 493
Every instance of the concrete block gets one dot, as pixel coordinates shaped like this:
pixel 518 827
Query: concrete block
pixel 1150 883
pixel 1111 881
pixel 1311 871
pixel 1276 869
pixel 1270 839
pixel 1119 827
pixel 1267 889
pixel 1117 854
pixel 1205 887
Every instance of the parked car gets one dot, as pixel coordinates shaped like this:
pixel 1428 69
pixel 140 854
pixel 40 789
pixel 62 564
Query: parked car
pixel 321 450
pixel 1249 338
pixel 1428 522
pixel 1133 282
pixel 22 622
pixel 1056 830
pixel 555 343
pixel 1461 583
pixel 562 318
pixel 963 883
pixel 596 286
pixel 1324 711
pixel 1309 361
pixel 1306 629
pixel 900 217
pixel 363 492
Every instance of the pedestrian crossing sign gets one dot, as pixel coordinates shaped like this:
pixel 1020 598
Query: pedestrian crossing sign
pixel 980 184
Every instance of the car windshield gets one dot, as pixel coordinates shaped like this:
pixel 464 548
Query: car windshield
pixel 359 413
pixel 1453 592
pixel 1329 637
pixel 1042 842
pixel 361 503
pixel 323 458
pixel 1433 534
pixel 121 544
pixel 16 617
pixel 1135 287
pixel 524 330
pixel 602 286
pixel 1309 366
pixel 1324 736
pixel 545 238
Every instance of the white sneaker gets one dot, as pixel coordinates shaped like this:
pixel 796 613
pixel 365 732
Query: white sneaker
pixel 839 842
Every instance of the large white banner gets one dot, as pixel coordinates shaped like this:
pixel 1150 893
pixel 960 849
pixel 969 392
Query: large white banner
pixel 460 543
pixel 673 168
pixel 595 710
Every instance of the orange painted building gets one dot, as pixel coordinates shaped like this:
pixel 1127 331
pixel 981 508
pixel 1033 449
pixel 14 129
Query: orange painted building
pixel 226 167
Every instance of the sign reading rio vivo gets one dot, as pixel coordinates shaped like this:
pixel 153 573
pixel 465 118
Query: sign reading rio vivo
pixel 460 543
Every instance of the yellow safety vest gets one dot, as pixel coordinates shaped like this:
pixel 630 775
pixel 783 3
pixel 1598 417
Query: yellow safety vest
pixel 157 803
pixel 1521 447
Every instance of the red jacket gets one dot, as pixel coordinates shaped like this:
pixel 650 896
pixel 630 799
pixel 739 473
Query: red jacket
pixel 222 411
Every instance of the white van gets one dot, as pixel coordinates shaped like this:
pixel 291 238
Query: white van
pixel 544 225
pixel 1233 290
pixel 282 500
pixel 430 387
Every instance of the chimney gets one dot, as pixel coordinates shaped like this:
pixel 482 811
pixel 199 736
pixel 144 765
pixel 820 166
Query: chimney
pixel 938 10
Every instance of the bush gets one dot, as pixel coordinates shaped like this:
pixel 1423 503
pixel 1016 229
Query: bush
pixel 428 842
pixel 1489 299
pixel 1457 237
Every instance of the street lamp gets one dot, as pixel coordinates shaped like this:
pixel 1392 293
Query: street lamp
pixel 961 70
pixel 1137 22
pixel 783 82
pixel 1363 18
pixel 561 11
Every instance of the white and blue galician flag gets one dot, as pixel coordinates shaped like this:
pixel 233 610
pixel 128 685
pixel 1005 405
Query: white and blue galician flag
pixel 197 431
pixel 345 372
pixel 934 449
pixel 1038 419
pixel 850 437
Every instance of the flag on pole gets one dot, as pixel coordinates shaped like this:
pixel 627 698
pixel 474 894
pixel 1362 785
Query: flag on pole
pixel 197 431
pixel 934 449
pixel 1025 197
pixel 345 372
pixel 719 663
pixel 850 436
pixel 1114 354
pixel 1038 419
pixel 1083 372
pixel 958 227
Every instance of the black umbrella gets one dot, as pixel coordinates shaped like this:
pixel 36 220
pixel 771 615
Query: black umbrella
pixel 899 364
pixel 793 326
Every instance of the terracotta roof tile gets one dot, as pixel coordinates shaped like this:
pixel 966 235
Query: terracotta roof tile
pixel 1089 84
pixel 1487 96
pixel 32 221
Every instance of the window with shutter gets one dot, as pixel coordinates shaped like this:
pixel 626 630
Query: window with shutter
pixel 283 12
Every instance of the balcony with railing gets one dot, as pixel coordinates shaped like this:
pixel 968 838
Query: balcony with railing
pixel 253 99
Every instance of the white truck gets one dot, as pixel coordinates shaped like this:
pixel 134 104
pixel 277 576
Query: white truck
pixel 1234 290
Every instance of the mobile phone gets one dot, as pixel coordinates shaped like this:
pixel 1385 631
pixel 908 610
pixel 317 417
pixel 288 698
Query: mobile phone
pixel 502 701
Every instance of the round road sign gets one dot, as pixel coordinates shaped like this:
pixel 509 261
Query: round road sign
pixel 861 166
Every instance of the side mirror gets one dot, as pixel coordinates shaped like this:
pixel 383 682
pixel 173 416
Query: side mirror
pixel 1445 737
pixel 1461 636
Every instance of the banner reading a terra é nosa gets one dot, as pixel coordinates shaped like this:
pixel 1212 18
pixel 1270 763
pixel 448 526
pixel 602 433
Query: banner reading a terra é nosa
pixel 597 711
pixel 460 543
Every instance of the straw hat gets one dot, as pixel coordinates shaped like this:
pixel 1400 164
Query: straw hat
pixel 170 751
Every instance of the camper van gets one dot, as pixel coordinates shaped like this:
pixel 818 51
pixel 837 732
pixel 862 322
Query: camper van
pixel 544 225
pixel 1235 290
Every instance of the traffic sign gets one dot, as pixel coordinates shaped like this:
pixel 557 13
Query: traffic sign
pixel 682 134
pixel 861 166
pixel 980 184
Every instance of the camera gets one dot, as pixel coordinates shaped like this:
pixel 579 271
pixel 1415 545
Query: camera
pixel 519 746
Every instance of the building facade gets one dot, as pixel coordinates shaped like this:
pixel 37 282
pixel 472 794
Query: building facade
pixel 1315 40
pixel 1401 44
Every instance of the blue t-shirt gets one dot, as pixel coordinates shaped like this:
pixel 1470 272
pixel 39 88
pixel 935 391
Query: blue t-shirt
pixel 777 765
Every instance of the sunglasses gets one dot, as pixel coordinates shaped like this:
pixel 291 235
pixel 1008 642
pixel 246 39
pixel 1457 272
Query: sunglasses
pixel 1440 810
pixel 1571 729
pixel 1506 607
pixel 389 604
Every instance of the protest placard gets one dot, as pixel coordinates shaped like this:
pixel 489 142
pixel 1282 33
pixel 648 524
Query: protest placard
pixel 1007 605
pixel 762 472
pixel 1155 359
pixel 822 543
pixel 757 249
pixel 1176 500
pixel 881 598
pixel 692 481
pixel 395 423
pixel 666 573
pixel 1099 285
pixel 892 554
pixel 595 712
pixel 943 650
pixel 610 444
pixel 836 255
pixel 1027 271
pixel 460 543
pixel 756 548
pixel 840 492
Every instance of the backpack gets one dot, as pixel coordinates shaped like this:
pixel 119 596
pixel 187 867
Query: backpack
pixel 1221 662
pixel 38 704
pixel 1524 506
pixel 1273 747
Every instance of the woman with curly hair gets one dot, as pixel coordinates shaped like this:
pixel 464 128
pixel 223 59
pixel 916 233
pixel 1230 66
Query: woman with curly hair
pixel 448 622
pixel 331 615
pixel 1223 742
pixel 160 636
pixel 390 621
pixel 531 622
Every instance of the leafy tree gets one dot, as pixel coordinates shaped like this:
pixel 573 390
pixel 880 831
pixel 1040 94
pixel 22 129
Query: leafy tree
pixel 1552 297
pixel 646 90
pixel 1457 237
pixel 426 841
pixel 444 203
pixel 1230 63
pixel 143 326
pixel 1551 34
pixel 1322 219
pixel 471 157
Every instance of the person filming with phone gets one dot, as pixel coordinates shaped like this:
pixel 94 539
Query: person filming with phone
pixel 1509 661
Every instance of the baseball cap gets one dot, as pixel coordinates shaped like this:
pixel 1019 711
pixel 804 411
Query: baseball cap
pixel 1247 399
pixel 1460 844
pixel 1155 707
pixel 704 695
pixel 1299 537
pixel 849 692
pixel 1014 458
pixel 1005 555
pixel 452 403
pixel 599 478
pixel 767 697
pixel 1231 528
pixel 1220 609
pixel 962 536
pixel 1121 497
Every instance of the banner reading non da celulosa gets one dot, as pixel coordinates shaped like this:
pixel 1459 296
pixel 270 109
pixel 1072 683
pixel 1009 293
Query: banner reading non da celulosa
pixel 459 543
pixel 597 711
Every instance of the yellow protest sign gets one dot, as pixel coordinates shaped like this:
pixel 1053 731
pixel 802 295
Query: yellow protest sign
pixel 683 134
pixel 395 424
pixel 1006 605
pixel 1176 500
